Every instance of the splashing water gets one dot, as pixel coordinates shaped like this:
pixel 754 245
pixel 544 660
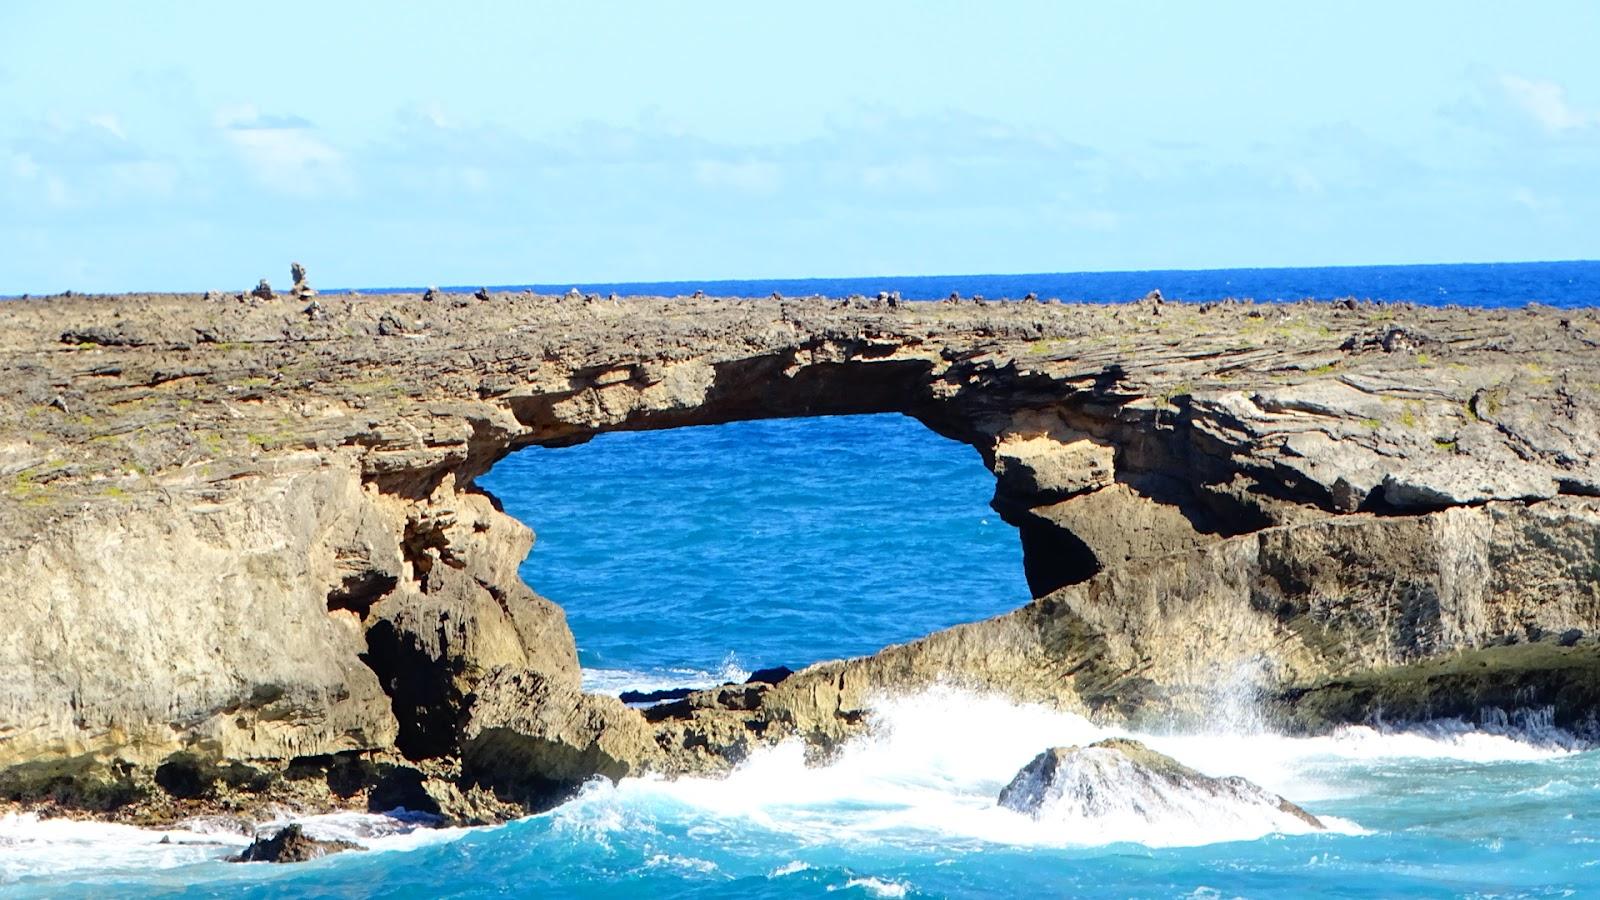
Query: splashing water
pixel 909 809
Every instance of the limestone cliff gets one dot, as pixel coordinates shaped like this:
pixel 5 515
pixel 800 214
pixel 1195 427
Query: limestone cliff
pixel 248 563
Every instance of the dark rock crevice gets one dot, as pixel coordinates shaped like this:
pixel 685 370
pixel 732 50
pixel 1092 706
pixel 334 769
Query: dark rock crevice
pixel 360 590
pixel 425 690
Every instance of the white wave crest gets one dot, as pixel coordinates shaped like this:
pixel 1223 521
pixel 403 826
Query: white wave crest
pixel 876 887
pixel 31 846
pixel 930 771
pixel 615 681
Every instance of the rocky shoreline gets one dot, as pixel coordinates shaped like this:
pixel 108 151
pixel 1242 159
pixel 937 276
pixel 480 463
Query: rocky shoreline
pixel 250 570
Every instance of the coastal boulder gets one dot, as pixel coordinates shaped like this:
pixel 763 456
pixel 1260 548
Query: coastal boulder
pixel 533 740
pixel 292 844
pixel 1118 780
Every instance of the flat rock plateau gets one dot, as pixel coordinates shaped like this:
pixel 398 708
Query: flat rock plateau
pixel 248 568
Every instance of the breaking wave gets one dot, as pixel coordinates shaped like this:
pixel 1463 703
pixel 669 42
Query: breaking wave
pixel 31 846
pixel 925 779
pixel 931 768
pixel 615 681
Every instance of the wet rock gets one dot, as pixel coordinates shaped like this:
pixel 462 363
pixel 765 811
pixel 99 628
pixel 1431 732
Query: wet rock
pixel 655 696
pixel 290 845
pixel 772 675
pixel 1120 778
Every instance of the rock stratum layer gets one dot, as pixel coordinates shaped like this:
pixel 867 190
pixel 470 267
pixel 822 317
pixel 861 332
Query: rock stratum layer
pixel 248 564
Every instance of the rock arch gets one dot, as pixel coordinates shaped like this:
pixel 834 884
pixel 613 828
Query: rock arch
pixel 246 535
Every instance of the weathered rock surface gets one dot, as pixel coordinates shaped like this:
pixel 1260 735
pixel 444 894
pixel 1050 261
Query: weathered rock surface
pixel 1120 780
pixel 243 542
pixel 291 844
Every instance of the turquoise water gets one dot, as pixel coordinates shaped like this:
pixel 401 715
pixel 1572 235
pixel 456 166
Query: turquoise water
pixel 910 813
pixel 687 556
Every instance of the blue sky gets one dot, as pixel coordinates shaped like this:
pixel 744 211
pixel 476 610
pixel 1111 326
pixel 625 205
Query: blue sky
pixel 197 146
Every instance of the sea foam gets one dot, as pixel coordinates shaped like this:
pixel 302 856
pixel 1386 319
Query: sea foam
pixel 929 772
pixel 926 775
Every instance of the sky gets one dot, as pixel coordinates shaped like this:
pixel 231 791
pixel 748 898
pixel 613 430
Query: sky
pixel 189 146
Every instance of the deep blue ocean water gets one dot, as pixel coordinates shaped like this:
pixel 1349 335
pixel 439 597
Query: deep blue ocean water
pixel 1575 283
pixel 688 556
pixel 741 546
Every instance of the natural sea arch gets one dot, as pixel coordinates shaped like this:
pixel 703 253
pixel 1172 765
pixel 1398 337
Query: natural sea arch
pixel 681 553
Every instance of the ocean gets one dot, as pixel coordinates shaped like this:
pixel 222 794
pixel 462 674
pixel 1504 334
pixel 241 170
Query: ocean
pixel 692 556
pixel 1568 284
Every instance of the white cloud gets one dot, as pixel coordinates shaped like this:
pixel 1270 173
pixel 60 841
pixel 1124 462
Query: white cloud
pixel 245 116
pixel 1527 199
pixel 1302 179
pixel 918 175
pixel 1546 103
pixel 750 177
pixel 56 192
pixel 282 151
pixel 23 166
pixel 109 123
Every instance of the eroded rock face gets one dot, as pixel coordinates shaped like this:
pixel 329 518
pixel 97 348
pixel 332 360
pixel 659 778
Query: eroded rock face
pixel 534 742
pixel 1117 781
pixel 144 632
pixel 244 544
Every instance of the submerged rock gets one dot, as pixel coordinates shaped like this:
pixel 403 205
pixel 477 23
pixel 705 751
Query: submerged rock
pixel 1121 779
pixel 292 844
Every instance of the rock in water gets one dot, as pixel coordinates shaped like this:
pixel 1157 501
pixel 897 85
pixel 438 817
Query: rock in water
pixel 291 844
pixel 1120 780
